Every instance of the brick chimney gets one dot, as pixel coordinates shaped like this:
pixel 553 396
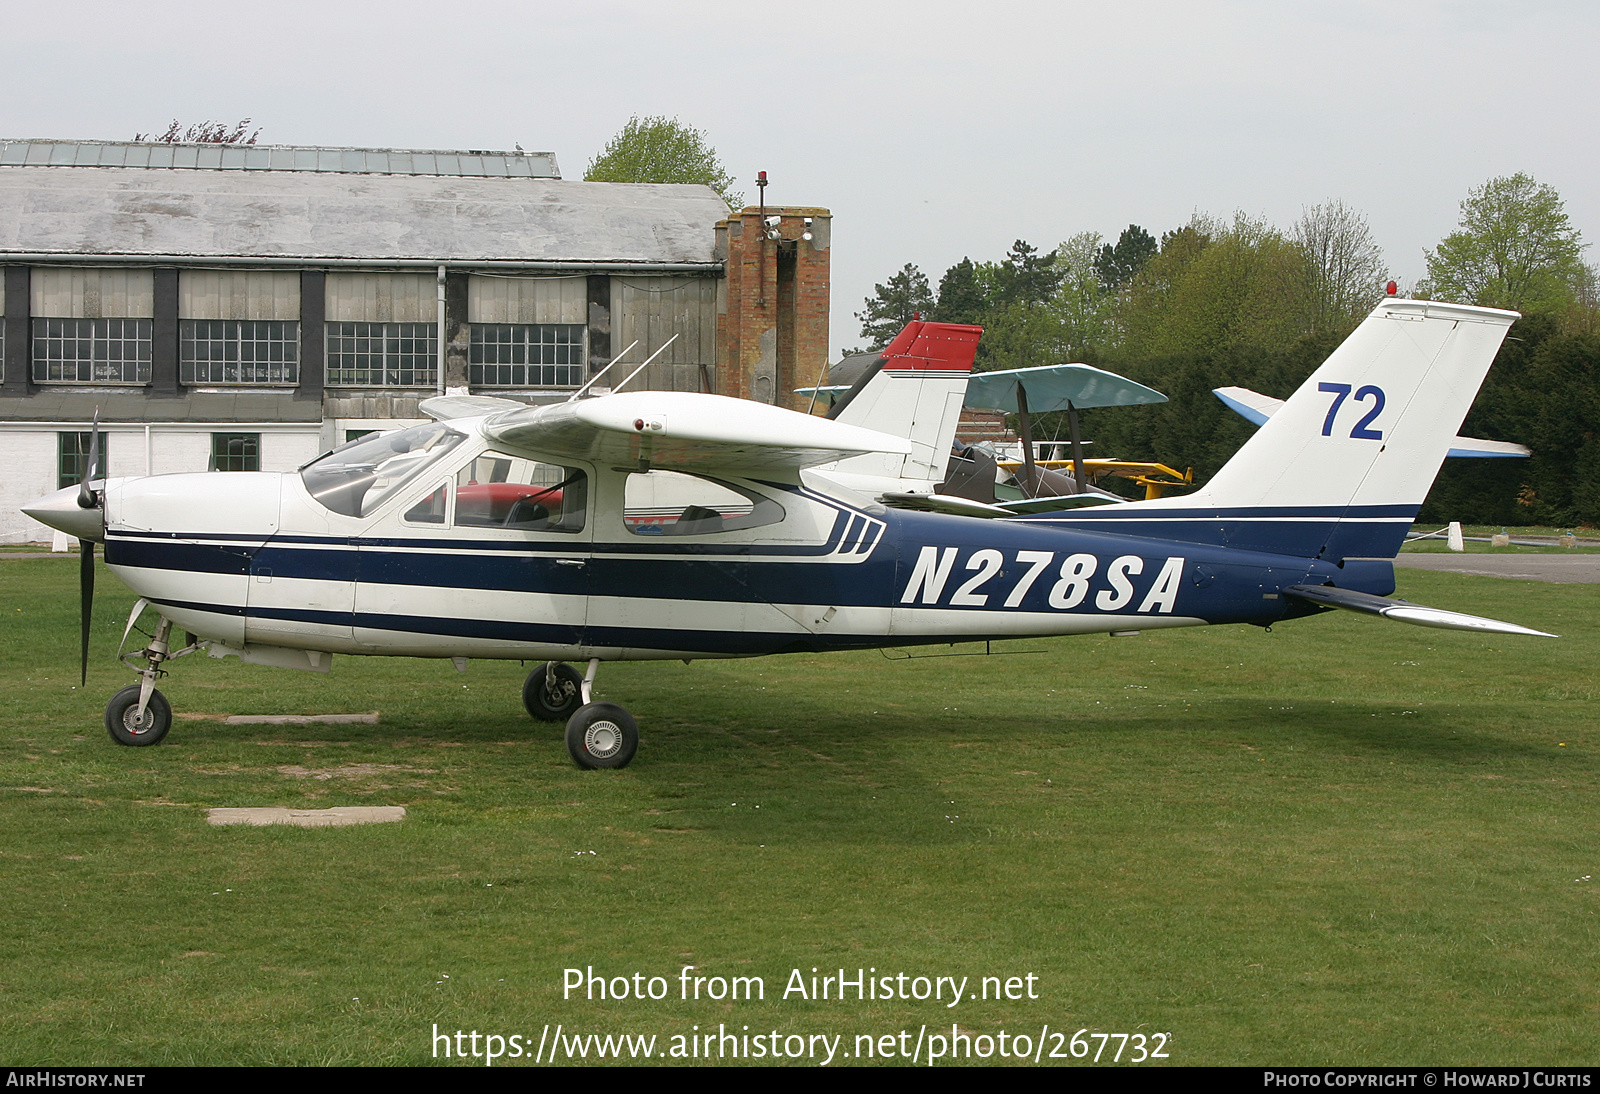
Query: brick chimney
pixel 772 319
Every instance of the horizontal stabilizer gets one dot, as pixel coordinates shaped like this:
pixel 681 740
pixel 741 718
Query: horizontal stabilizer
pixel 685 429
pixel 943 503
pixel 1055 504
pixel 1256 408
pixel 1405 612
pixel 1473 448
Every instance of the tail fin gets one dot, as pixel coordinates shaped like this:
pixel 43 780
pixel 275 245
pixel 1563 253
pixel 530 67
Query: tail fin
pixel 914 390
pixel 1340 470
pixel 1372 425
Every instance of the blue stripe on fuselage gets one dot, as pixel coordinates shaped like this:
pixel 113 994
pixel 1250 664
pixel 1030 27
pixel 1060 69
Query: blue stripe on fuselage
pixel 1356 531
pixel 1216 584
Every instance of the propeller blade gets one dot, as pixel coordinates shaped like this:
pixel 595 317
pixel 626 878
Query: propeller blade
pixel 86 600
pixel 87 499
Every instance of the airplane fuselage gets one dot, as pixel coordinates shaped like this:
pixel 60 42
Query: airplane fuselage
pixel 255 559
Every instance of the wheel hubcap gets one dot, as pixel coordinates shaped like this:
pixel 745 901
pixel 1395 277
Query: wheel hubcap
pixel 135 724
pixel 603 740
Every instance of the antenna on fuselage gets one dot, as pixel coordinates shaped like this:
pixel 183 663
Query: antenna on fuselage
pixel 647 360
pixel 602 372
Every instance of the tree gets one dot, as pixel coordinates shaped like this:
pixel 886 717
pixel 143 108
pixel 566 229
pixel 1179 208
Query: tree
pixel 207 132
pixel 1515 248
pixel 659 149
pixel 1346 265
pixel 1116 266
pixel 962 294
pixel 895 304
pixel 1216 287
pixel 1082 305
pixel 1026 277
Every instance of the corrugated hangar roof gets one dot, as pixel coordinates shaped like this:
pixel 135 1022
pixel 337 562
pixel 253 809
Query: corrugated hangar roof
pixel 279 157
pixel 64 211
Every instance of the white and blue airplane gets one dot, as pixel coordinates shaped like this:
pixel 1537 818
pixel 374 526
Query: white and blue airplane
pixel 656 525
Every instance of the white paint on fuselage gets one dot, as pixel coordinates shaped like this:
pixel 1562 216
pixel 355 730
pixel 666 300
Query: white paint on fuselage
pixel 259 507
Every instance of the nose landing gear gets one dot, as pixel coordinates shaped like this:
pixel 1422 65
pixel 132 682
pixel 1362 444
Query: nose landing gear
pixel 140 715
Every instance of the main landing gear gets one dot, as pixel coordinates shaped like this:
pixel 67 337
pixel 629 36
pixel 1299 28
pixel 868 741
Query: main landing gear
pixel 598 734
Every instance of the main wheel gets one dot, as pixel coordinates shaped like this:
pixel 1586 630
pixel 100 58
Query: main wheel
pixel 602 735
pixel 124 725
pixel 553 702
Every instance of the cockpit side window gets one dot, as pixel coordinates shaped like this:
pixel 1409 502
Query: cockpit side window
pixel 431 509
pixel 356 478
pixel 500 491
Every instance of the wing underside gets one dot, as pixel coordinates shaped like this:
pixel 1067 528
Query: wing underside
pixel 684 429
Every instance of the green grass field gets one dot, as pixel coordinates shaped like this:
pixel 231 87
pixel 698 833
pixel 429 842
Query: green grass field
pixel 1345 841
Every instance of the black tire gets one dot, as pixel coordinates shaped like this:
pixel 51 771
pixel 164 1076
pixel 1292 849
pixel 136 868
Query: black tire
pixel 602 735
pixel 559 705
pixel 149 730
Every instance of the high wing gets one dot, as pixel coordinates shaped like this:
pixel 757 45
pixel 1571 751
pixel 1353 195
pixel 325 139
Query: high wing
pixel 683 429
pixel 1256 408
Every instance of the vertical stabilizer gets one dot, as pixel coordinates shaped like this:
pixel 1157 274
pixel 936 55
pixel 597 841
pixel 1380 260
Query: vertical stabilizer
pixel 1340 470
pixel 1373 424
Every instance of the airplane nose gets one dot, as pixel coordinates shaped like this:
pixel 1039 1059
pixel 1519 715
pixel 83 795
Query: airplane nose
pixel 62 512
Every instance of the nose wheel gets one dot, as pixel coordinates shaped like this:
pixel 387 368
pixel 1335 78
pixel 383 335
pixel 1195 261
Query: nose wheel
pixel 128 724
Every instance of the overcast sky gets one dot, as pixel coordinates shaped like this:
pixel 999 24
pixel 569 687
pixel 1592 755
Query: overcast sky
pixel 931 130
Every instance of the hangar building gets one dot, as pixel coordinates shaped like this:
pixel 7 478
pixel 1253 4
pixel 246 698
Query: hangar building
pixel 244 307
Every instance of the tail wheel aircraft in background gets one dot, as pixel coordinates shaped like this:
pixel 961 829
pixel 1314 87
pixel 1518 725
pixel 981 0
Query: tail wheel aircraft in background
pixel 654 524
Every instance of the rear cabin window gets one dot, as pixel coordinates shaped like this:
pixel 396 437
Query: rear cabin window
pixel 674 503
pixel 500 491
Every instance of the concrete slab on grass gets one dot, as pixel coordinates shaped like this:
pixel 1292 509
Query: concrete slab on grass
pixel 301 719
pixel 1561 569
pixel 308 818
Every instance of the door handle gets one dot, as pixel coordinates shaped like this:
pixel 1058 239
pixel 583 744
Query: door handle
pixel 570 562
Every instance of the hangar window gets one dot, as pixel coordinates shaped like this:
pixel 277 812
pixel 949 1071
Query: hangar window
pixel 526 355
pixel 383 354
pixel 236 452
pixel 238 351
pixel 672 503
pixel 91 351
pixel 73 458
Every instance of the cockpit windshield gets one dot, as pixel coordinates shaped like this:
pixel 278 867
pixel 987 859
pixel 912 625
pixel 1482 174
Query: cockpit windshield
pixel 356 478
